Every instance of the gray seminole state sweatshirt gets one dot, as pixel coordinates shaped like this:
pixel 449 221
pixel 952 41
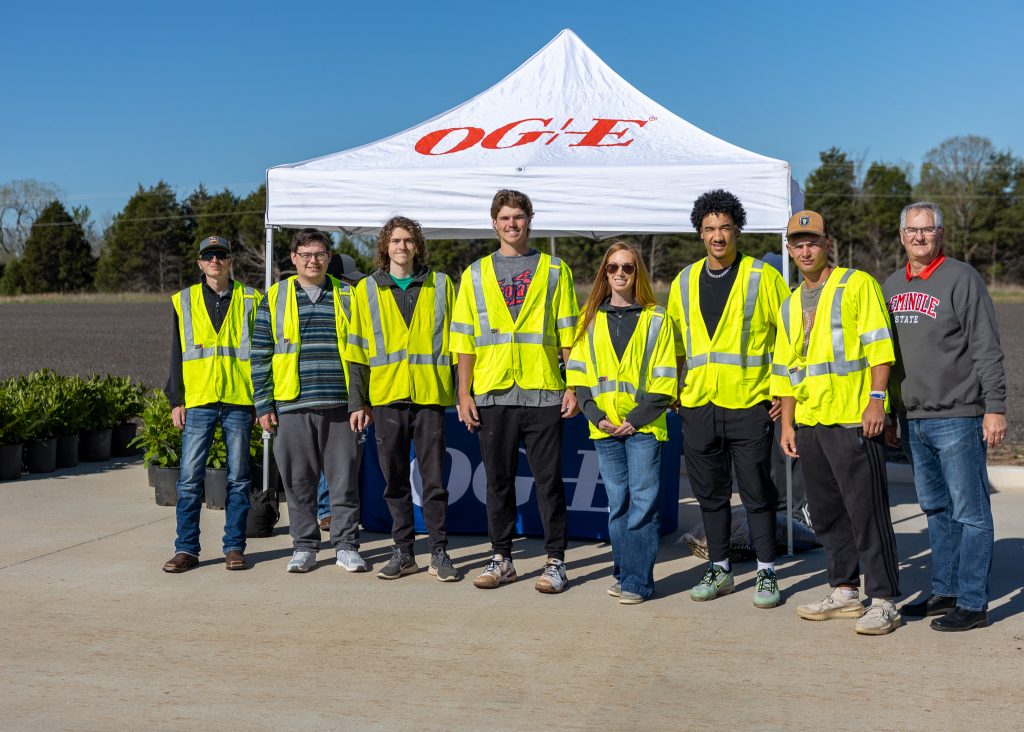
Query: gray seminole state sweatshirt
pixel 948 359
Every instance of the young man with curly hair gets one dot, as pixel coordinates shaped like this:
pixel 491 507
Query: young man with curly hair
pixel 724 309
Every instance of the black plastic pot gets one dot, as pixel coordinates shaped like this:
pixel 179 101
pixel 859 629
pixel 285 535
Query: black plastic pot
pixel 165 485
pixel 41 455
pixel 215 488
pixel 120 436
pixel 67 451
pixel 10 461
pixel 151 475
pixel 94 445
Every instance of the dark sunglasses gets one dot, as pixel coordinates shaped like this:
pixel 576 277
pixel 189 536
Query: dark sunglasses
pixel 210 256
pixel 613 267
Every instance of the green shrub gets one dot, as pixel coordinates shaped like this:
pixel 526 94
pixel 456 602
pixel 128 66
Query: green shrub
pixel 157 435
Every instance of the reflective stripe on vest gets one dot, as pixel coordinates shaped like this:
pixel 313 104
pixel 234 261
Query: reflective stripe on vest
pixel 749 305
pixel 838 366
pixel 192 352
pixel 280 344
pixel 383 358
pixel 488 338
pixel 637 391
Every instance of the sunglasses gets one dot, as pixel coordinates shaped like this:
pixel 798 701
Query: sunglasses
pixel 613 267
pixel 210 256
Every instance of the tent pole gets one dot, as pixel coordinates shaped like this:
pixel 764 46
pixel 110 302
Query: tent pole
pixel 268 271
pixel 552 246
pixel 789 460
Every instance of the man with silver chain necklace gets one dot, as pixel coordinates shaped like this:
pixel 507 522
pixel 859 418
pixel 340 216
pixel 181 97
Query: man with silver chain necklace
pixel 724 310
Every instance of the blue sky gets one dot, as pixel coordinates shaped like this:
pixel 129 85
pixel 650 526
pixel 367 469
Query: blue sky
pixel 100 97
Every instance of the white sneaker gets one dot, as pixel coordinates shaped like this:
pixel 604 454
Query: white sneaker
pixel 834 605
pixel 302 561
pixel 552 580
pixel 880 618
pixel 499 571
pixel 351 561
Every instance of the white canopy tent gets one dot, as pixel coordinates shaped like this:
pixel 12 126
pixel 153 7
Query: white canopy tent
pixel 596 156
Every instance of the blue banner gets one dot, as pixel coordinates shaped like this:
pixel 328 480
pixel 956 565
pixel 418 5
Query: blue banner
pixel 464 476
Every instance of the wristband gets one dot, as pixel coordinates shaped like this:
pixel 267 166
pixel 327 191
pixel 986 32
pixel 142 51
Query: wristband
pixel 877 395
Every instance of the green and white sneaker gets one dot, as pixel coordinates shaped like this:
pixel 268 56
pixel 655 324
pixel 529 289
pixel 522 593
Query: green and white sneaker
pixel 766 589
pixel 715 582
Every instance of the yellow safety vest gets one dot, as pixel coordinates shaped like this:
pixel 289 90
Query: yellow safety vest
pixel 524 352
pixel 851 333
pixel 284 328
pixel 215 364
pixel 648 365
pixel 732 369
pixel 407 362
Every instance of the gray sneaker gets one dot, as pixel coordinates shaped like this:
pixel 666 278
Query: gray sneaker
pixel 441 566
pixel 400 564
pixel 351 561
pixel 630 598
pixel 499 571
pixel 834 605
pixel 881 618
pixel 552 580
pixel 615 590
pixel 302 561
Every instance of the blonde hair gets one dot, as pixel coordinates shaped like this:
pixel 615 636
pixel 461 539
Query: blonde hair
pixel 643 293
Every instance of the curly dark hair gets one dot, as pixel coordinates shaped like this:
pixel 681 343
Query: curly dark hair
pixel 720 202
pixel 383 261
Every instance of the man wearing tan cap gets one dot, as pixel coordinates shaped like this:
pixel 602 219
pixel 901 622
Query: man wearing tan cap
pixel 833 353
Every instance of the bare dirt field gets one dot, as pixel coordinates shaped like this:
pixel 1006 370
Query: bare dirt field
pixel 131 338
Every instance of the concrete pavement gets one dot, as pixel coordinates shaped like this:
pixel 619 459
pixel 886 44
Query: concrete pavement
pixel 95 636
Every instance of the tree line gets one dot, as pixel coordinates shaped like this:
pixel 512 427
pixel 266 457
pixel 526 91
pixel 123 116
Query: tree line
pixel 150 245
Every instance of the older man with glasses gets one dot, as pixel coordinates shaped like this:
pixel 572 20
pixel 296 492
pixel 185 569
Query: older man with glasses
pixel 950 389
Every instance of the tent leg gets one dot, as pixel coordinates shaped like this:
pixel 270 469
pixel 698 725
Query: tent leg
pixel 268 275
pixel 789 506
pixel 785 262
pixel 552 246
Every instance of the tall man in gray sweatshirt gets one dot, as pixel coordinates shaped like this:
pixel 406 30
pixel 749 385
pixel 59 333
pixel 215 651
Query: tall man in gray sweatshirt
pixel 950 388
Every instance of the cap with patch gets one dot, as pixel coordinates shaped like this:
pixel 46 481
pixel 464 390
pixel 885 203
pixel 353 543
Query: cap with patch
pixel 214 244
pixel 806 222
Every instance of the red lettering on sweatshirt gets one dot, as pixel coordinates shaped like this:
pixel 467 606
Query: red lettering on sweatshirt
pixel 914 302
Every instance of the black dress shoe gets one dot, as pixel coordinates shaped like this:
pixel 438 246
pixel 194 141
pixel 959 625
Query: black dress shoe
pixel 960 619
pixel 930 605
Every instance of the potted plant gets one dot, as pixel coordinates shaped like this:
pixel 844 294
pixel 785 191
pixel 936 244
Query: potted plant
pixel 74 410
pixel 215 484
pixel 94 442
pixel 127 396
pixel 42 405
pixel 13 426
pixel 160 441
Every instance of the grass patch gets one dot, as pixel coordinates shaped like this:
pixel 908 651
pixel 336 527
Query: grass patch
pixel 94 298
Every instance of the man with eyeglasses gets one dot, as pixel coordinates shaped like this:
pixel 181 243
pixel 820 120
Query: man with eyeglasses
pixel 950 391
pixel 724 309
pixel 300 387
pixel 209 385
pixel 833 353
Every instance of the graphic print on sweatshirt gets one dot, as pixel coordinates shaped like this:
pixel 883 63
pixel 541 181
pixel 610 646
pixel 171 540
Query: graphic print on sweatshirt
pixel 515 291
pixel 907 307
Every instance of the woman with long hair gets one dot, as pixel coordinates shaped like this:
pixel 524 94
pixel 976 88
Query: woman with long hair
pixel 623 366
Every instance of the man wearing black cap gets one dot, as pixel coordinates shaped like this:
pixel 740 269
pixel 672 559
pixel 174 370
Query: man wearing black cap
pixel 209 385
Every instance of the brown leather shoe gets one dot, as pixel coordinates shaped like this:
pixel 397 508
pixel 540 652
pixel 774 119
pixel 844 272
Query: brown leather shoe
pixel 180 562
pixel 235 560
pixel 325 524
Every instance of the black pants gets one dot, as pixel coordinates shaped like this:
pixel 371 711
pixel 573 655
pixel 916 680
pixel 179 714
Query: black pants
pixel 848 494
pixel 716 440
pixel 540 430
pixel 422 426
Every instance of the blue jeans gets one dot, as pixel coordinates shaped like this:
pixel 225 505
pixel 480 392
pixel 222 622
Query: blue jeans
pixel 236 422
pixel 948 455
pixel 323 499
pixel 631 471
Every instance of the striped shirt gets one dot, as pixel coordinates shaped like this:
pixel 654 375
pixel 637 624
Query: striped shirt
pixel 321 378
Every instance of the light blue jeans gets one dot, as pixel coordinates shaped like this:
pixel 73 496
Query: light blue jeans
pixel 323 499
pixel 631 471
pixel 948 455
pixel 200 422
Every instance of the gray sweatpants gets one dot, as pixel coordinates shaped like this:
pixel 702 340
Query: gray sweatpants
pixel 310 441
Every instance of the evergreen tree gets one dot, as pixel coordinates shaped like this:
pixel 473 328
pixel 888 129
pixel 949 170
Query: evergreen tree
pixel 57 256
pixel 831 190
pixel 148 246
pixel 884 193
